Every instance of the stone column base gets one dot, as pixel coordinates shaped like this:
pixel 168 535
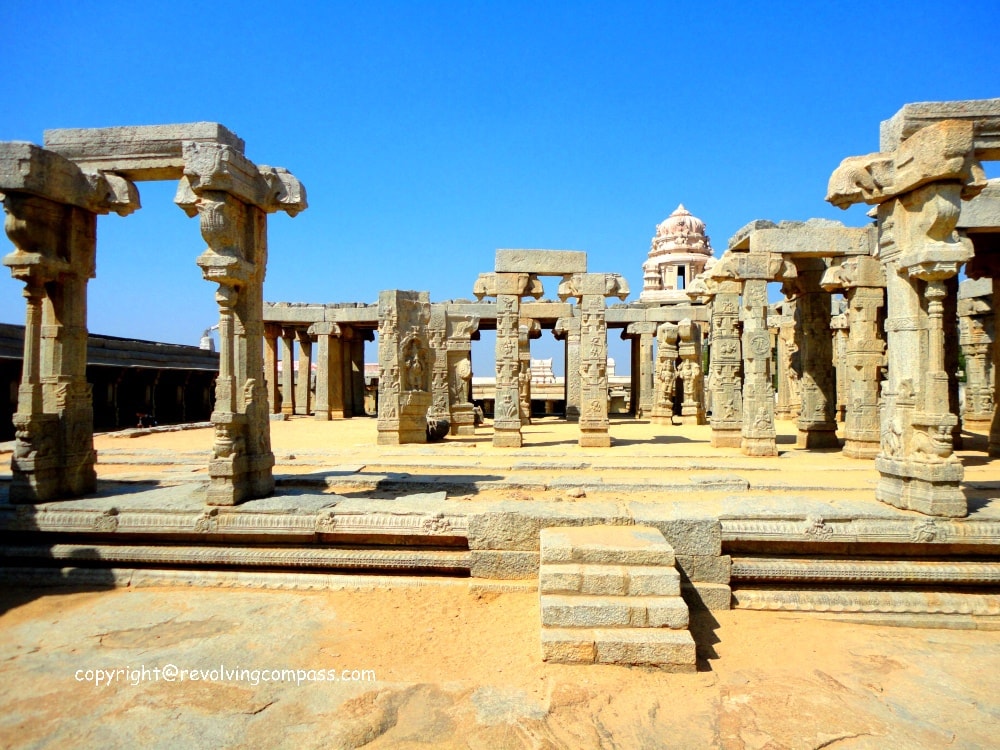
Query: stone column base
pixel 595 439
pixel 506 438
pixel 238 478
pixel 697 417
pixel 977 425
pixel 463 420
pixel 864 449
pixel 758 446
pixel 932 488
pixel 726 438
pixel 817 438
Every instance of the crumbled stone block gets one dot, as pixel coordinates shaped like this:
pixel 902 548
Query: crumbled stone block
pixel 503 564
pixel 581 611
pixel 705 568
pixel 568 646
pixel 614 545
pixel 710 596
pixel 544 262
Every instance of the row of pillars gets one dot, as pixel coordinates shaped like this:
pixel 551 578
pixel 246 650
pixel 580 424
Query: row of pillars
pixel 340 370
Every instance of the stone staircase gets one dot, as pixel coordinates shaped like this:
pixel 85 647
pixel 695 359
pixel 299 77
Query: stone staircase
pixel 611 595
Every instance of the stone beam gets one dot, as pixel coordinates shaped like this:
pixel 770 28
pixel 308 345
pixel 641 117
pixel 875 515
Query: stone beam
pixel 983 113
pixel 541 262
pixel 983 211
pixel 816 238
pixel 145 152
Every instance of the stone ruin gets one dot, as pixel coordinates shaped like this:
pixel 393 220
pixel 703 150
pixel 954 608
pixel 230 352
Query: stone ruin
pixel 52 197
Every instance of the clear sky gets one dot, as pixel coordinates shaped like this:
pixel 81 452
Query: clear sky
pixel 428 134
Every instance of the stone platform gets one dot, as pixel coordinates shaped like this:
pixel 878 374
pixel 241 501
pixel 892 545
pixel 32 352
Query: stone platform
pixel 798 531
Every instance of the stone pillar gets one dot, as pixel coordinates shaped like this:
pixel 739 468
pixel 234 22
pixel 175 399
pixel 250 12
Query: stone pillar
pixel 460 329
pixel 994 445
pixel 271 334
pixel 568 329
pixel 758 434
pixel 726 366
pixel 667 336
pixel 327 369
pixel 358 371
pixel 839 326
pixel 690 373
pixel 508 288
pixel 976 329
pixel 789 368
pixel 643 370
pixel 816 423
pixel 51 209
pixel 590 289
pixel 232 198
pixel 404 367
pixel 287 371
pixel 303 393
pixel 345 384
pixel 437 336
pixel 527 329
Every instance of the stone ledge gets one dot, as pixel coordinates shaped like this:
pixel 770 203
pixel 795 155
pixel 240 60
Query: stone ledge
pixel 581 611
pixel 614 545
pixel 609 580
pixel 672 650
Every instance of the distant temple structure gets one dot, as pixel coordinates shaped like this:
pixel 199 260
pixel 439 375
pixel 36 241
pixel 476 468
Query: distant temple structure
pixel 680 250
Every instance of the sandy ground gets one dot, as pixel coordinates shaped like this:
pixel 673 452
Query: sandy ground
pixel 459 667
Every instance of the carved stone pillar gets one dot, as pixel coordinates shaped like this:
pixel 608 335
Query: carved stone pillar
pixel 758 434
pixel 527 329
pixel 788 405
pixel 327 369
pixel 508 288
pixel 817 424
pixel 667 336
pixel 51 209
pixel 345 383
pixel 232 197
pixel 459 343
pixel 303 393
pixel 437 336
pixel 643 366
pixel 287 371
pixel 976 337
pixel 271 334
pixel 568 329
pixel 839 327
pixel 404 367
pixel 690 373
pixel 590 289
pixel 726 366
pixel 994 445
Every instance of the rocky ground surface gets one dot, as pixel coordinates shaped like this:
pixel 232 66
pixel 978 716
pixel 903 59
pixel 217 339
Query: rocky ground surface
pixel 457 668
pixel 454 664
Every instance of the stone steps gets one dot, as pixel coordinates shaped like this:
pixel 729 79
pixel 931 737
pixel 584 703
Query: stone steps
pixel 611 595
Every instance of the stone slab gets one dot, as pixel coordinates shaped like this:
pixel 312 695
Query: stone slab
pixel 542 262
pixel 614 545
pixel 985 113
pixel 609 580
pixel 688 536
pixel 503 564
pixel 982 212
pixel 517 525
pixel 144 152
pixel 582 611
pixel 671 650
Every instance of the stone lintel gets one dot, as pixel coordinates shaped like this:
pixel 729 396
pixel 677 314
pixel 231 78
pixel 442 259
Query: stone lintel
pixel 278 312
pixel 674 313
pixel 970 288
pixel 984 113
pixel 324 329
pixel 27 168
pixel 548 311
pixel 143 152
pixel 815 240
pixel 741 240
pixel 983 211
pixel 541 262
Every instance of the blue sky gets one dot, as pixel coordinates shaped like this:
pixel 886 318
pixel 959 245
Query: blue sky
pixel 428 134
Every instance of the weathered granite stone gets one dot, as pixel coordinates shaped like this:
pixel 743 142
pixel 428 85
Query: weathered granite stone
pixel 541 262
pixel 614 545
pixel 503 564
